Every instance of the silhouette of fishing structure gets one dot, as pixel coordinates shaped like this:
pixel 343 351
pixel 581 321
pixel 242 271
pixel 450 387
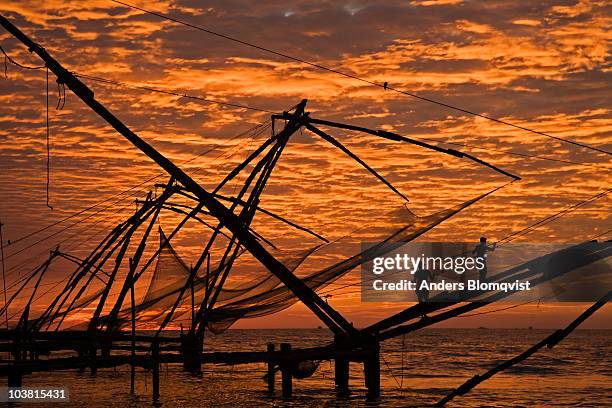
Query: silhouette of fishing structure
pixel 104 282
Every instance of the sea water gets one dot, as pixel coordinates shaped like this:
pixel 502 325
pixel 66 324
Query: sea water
pixel 416 370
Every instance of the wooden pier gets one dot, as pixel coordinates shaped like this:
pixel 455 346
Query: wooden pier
pixel 150 352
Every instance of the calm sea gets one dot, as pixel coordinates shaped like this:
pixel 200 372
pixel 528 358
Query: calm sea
pixel 416 371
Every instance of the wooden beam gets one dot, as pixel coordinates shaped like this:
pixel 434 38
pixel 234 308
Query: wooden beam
pixel 398 138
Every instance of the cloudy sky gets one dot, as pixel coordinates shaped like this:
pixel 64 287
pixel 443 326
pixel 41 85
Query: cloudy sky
pixel 541 65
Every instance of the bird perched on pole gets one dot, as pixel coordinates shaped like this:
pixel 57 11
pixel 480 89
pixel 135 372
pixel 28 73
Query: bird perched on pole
pixel 385 85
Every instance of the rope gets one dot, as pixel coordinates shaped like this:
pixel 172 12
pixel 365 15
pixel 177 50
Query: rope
pixel 62 92
pixel 173 93
pixel 12 61
pixel 256 130
pixel 553 217
pixel 500 309
pixel 518 154
pixel 61 95
pixel 390 370
pixel 48 141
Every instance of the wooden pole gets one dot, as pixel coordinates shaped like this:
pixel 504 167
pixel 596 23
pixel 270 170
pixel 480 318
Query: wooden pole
pixel 15 373
pixel 135 260
pixel 341 371
pixel 371 367
pixel 155 355
pixel 133 305
pixel 93 354
pixel 271 371
pixel 341 367
pixel 3 277
pixel 192 303
pixel 550 341
pixel 15 378
pixel 398 138
pixel 286 377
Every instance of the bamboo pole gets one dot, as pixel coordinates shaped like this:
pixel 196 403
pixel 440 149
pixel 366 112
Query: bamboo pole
pixel 336 143
pixel 398 138
pixel 3 276
pixel 550 341
pixel 286 376
pixel 271 371
pixel 155 357
pixel 133 342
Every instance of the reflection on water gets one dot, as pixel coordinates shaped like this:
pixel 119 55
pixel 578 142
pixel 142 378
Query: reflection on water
pixel 576 372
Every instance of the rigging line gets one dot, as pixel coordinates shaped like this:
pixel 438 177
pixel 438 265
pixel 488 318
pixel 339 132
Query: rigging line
pixel 501 309
pixel 38 298
pixel 402 358
pixel 61 95
pixel 133 86
pixel 384 86
pixel 246 156
pixel 125 191
pixel 555 216
pixel 398 138
pixel 48 142
pixel 12 61
pixel 78 234
pixel 330 139
pixel 46 284
pixel 531 156
pixel 257 131
pixel 390 370
pixel 173 93
pixel 602 234
pixel 76 214
pixel 360 228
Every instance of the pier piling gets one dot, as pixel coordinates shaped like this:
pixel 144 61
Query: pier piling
pixel 15 378
pixel 93 357
pixel 286 375
pixel 371 367
pixel 341 367
pixel 155 356
pixel 271 372
pixel 191 351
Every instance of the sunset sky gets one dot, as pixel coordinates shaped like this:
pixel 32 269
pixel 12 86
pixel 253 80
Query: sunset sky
pixel 540 65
